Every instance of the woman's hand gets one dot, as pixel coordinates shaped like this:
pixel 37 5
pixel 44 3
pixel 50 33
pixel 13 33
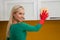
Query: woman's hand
pixel 43 16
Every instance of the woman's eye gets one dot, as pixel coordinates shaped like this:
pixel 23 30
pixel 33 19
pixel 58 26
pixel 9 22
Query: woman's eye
pixel 20 13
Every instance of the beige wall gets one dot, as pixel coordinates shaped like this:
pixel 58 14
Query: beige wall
pixel 49 31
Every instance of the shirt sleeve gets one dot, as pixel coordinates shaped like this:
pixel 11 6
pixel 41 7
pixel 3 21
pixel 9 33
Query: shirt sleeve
pixel 28 27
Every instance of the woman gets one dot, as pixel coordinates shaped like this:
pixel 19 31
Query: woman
pixel 17 29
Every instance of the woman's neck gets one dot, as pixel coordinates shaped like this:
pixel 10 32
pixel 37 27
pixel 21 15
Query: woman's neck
pixel 14 21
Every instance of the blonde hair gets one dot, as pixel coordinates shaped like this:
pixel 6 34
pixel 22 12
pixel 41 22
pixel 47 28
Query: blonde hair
pixel 14 9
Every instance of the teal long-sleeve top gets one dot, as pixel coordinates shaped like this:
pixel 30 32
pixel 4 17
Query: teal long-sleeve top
pixel 19 30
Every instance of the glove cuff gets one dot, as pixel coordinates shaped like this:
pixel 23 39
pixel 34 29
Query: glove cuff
pixel 41 21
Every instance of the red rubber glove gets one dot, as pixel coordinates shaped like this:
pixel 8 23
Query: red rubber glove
pixel 43 16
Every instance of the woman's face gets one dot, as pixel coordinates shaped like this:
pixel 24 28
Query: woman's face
pixel 19 15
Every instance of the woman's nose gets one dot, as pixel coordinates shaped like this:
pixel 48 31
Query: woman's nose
pixel 22 16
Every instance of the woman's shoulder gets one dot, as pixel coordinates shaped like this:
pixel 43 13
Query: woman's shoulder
pixel 18 25
pixel 22 23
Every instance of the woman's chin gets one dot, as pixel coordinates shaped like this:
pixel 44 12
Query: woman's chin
pixel 21 20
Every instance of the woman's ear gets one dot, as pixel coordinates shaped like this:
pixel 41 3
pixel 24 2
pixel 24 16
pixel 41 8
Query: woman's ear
pixel 13 15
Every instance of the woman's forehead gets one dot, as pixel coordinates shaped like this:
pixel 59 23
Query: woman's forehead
pixel 20 10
